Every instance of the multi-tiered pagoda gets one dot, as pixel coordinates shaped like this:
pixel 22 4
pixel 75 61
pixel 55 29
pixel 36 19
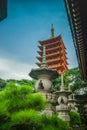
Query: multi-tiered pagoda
pixel 55 53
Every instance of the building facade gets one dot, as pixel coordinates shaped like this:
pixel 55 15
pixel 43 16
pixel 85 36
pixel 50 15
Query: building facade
pixel 3 9
pixel 77 17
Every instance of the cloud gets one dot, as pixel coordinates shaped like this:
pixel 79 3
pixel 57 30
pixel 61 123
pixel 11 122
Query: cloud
pixel 11 69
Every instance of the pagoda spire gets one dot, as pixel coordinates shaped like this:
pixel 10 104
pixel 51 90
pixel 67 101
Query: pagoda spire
pixel 44 63
pixel 62 83
pixel 52 32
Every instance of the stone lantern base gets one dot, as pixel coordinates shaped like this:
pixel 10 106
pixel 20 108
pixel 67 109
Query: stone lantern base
pixel 63 112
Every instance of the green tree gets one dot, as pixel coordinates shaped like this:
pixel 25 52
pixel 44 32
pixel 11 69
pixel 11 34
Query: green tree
pixel 14 99
pixel 75 118
pixel 72 80
pixel 54 123
pixel 20 109
pixel 2 84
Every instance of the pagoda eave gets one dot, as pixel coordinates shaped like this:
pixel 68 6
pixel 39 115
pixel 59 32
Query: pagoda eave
pixel 51 40
pixel 54 44
pixel 49 57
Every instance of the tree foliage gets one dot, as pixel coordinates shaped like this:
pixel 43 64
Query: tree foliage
pixel 2 84
pixel 75 118
pixel 54 123
pixel 20 109
pixel 14 99
pixel 22 82
pixel 72 80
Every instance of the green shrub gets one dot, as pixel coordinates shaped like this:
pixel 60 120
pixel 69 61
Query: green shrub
pixel 74 118
pixel 20 98
pixel 4 116
pixel 20 110
pixel 54 123
pixel 36 101
pixel 26 119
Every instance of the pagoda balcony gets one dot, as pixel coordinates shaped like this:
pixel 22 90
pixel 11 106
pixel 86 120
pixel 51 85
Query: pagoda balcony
pixel 50 57
pixel 63 55
pixel 53 48
pixel 58 61
pixel 60 68
pixel 54 64
pixel 56 44
pixel 51 51
pixel 53 60
pixel 53 44
pixel 54 67
pixel 56 49
pixel 53 54
pixel 51 66
pixel 57 54
pixel 51 40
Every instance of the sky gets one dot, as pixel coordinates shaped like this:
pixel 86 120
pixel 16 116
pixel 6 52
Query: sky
pixel 28 22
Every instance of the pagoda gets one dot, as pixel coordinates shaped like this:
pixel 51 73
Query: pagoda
pixel 55 53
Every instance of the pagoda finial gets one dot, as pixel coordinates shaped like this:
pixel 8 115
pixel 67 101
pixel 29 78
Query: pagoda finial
pixel 62 83
pixel 44 63
pixel 52 32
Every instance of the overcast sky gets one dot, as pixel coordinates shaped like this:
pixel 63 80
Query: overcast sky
pixel 28 22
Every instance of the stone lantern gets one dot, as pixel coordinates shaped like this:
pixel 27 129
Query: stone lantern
pixel 62 108
pixel 44 77
pixel 72 103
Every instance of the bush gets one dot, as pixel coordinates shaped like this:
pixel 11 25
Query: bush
pixel 32 120
pixel 27 119
pixel 20 110
pixel 14 100
pixel 74 118
pixel 20 98
pixel 54 123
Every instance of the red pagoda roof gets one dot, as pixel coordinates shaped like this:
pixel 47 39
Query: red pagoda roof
pixel 55 44
pixel 51 40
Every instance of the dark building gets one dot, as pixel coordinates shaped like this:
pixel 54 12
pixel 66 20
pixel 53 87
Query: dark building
pixel 3 9
pixel 77 16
